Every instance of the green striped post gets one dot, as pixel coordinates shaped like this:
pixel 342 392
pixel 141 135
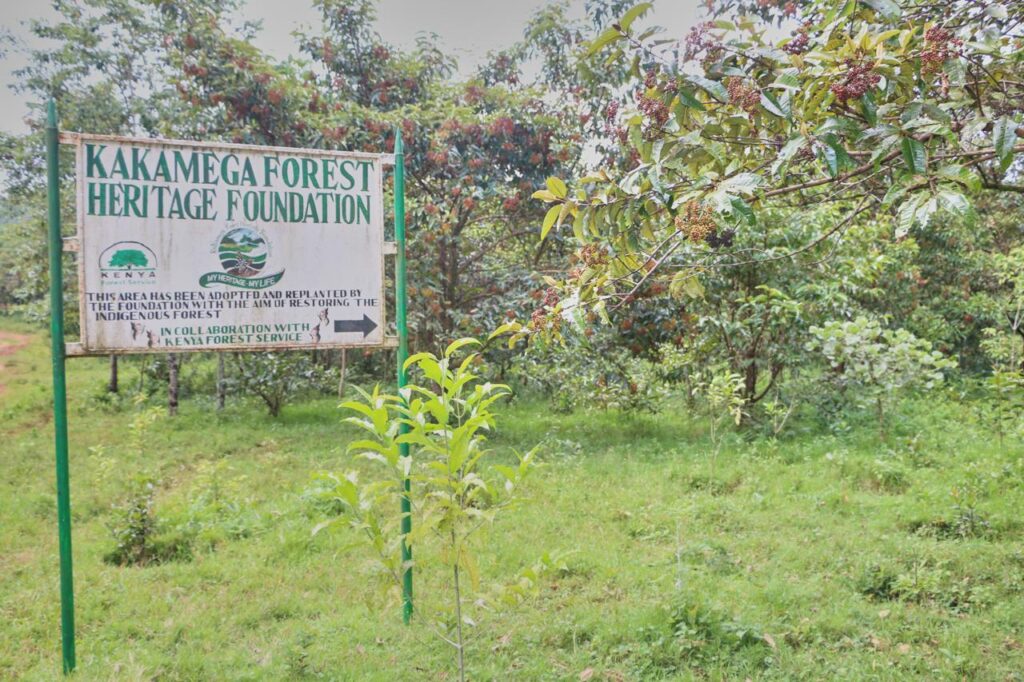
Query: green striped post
pixel 60 399
pixel 403 354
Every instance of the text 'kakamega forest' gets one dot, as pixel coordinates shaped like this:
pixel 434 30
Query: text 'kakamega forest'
pixel 149 182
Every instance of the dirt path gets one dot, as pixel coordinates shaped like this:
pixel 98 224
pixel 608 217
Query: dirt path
pixel 10 343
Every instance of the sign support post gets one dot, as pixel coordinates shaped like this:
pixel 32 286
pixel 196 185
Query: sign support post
pixel 60 402
pixel 403 354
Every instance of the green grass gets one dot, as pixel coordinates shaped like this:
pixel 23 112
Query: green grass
pixel 816 557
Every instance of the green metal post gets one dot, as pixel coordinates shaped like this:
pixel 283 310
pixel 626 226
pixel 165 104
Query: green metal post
pixel 403 354
pixel 60 400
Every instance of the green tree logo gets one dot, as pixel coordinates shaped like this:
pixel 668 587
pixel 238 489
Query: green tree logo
pixel 127 256
pixel 128 259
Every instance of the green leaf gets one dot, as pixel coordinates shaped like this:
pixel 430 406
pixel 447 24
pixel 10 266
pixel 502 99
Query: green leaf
pixel 893 194
pixel 742 183
pixel 926 210
pixel 413 359
pixel 686 282
pixel 839 155
pixel 936 113
pixel 996 11
pixel 914 155
pixel 772 105
pixel 742 210
pixel 610 35
pixel 549 220
pixel 508 327
pixel 904 217
pixel 557 187
pixel 630 16
pixel 831 159
pixel 1004 135
pixel 687 99
pixel 577 226
pixel 455 345
pixel 887 8
pixel 954 202
pixel 867 102
pixel 910 213
pixel 713 88
pixel 786 81
pixel 693 288
pixel 786 153
pixel 963 176
pixel 954 68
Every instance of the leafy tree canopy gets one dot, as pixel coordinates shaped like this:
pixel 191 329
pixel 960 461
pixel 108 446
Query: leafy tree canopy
pixel 881 109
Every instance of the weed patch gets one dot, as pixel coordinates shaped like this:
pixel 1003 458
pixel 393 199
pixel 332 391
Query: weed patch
pixel 691 637
pixel 925 583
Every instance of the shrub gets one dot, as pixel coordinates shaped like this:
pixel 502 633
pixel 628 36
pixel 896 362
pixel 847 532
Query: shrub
pixel 923 582
pixel 877 363
pixel 689 637
pixel 134 529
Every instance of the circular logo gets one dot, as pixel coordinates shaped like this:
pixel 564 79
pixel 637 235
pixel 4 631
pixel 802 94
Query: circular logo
pixel 242 252
pixel 128 256
pixel 127 263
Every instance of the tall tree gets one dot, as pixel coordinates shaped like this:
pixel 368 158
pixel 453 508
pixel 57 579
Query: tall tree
pixel 474 150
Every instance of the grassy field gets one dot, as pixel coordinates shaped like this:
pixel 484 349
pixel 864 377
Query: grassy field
pixel 815 557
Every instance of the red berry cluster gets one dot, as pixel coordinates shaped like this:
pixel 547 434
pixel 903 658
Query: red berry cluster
pixel 503 125
pixel 651 79
pixel 654 109
pixel 858 79
pixel 542 317
pixel 742 95
pixel 612 110
pixel 593 255
pixel 798 45
pixel 696 222
pixel 551 297
pixel 940 45
pixel 698 41
pixel 537 319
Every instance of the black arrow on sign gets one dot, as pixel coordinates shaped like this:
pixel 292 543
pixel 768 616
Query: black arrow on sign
pixel 365 325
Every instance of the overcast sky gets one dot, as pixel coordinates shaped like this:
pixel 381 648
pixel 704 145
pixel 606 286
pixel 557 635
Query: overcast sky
pixel 468 29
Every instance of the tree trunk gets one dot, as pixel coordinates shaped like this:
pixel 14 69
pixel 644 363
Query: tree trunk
pixel 880 412
pixel 750 379
pixel 221 388
pixel 341 373
pixel 142 373
pixel 460 642
pixel 172 384
pixel 112 383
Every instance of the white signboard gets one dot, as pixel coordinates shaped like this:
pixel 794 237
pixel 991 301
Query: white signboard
pixel 187 246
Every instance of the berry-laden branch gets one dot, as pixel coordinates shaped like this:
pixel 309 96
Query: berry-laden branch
pixel 908 110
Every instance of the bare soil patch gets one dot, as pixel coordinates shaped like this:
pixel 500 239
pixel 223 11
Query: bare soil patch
pixel 10 343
